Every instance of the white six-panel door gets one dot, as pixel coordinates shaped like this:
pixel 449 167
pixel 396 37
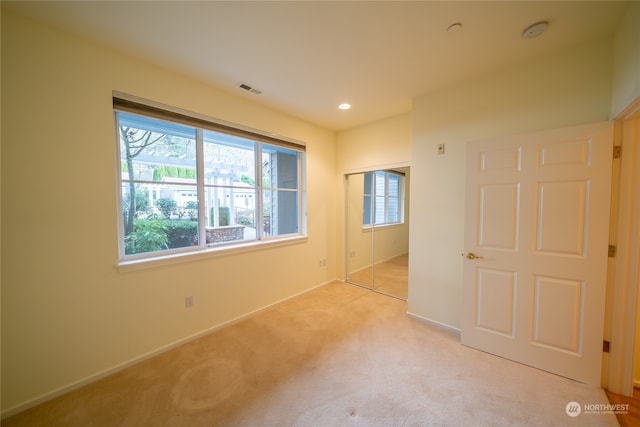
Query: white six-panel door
pixel 536 242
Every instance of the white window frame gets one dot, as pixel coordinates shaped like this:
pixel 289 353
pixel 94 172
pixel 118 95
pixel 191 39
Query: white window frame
pixel 386 197
pixel 204 250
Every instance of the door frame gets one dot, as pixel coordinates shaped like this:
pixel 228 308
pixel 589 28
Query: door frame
pixel 624 274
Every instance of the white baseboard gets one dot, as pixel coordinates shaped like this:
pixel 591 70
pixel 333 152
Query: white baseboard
pixel 434 323
pixel 110 371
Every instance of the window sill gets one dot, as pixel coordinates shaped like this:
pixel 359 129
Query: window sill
pixel 207 253
pixel 369 228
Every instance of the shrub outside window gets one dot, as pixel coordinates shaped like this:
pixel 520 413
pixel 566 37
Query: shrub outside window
pixel 189 184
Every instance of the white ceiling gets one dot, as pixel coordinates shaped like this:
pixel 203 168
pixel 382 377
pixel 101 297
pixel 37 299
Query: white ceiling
pixel 309 56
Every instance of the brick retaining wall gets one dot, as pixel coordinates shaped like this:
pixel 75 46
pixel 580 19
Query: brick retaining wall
pixel 227 233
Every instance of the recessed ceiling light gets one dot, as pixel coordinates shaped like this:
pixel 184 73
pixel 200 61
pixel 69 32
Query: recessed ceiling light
pixel 533 31
pixel 344 106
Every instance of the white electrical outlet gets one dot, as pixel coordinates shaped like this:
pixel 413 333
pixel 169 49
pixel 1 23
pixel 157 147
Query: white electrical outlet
pixel 440 148
pixel 188 301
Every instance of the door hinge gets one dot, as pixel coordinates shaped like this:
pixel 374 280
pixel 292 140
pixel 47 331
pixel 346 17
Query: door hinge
pixel 605 346
pixel 617 151
pixel 612 251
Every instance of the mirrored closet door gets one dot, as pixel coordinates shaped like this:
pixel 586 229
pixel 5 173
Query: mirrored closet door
pixel 377 244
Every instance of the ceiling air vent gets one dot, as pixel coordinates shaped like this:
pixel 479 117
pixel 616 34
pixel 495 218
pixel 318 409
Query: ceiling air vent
pixel 250 88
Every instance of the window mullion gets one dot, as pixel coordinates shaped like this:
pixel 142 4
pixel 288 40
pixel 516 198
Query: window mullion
pixel 301 193
pixel 401 198
pixel 386 198
pixel 373 199
pixel 202 220
pixel 259 192
pixel 121 237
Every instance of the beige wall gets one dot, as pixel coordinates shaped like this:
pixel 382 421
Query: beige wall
pixel 381 143
pixel 626 64
pixel 563 89
pixel 67 313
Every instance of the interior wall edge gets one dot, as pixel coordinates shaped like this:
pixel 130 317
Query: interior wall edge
pixel 435 323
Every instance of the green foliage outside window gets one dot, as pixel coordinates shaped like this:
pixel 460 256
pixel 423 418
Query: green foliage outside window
pixel 148 235
pixel 142 202
pixel 224 215
pixel 173 172
pixel 167 206
pixel 154 234
pixel 180 233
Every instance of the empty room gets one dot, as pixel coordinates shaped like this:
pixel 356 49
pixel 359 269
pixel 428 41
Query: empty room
pixel 320 213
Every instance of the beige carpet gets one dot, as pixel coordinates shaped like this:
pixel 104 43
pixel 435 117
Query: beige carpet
pixel 338 356
pixel 390 277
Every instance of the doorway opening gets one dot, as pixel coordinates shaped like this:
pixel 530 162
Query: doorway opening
pixel 623 319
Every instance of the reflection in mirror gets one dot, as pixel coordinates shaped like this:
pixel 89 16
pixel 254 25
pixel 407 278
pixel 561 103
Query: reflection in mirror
pixel 359 242
pixel 378 230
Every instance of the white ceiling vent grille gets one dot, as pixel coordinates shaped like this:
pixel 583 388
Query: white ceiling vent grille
pixel 250 88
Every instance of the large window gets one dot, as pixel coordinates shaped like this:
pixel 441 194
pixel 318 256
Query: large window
pixel 383 198
pixel 189 184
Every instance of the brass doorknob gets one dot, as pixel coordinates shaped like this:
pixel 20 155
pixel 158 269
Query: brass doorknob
pixel 471 255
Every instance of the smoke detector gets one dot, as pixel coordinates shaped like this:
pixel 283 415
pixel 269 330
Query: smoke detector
pixel 249 88
pixel 533 31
